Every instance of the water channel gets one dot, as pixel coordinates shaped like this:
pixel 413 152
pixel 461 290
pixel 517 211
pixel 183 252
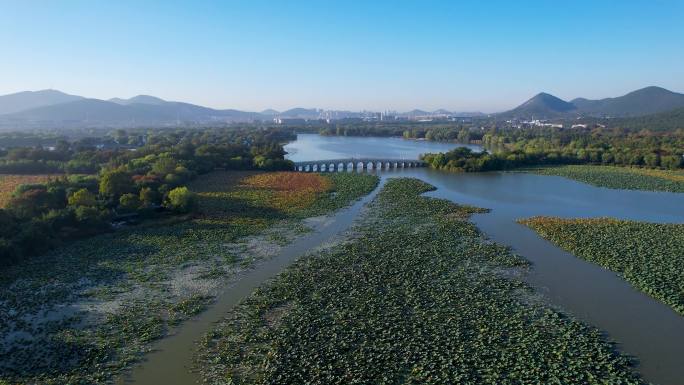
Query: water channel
pixel 642 327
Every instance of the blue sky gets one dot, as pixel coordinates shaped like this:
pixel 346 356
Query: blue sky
pixel 252 55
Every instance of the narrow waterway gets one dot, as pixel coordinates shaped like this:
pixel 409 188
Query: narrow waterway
pixel 170 362
pixel 643 327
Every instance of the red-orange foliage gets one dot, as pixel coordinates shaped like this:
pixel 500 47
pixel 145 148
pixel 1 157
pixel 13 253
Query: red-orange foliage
pixel 289 181
pixel 8 183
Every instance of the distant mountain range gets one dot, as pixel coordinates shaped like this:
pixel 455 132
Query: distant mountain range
pixel 646 101
pixel 52 108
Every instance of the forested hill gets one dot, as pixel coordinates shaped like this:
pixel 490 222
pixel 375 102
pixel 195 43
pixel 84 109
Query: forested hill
pixel 645 101
pixel 664 121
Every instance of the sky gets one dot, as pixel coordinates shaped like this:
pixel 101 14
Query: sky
pixel 251 55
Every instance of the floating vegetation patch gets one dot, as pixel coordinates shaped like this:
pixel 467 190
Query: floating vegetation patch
pixel 417 296
pixel 88 309
pixel 650 256
pixel 628 178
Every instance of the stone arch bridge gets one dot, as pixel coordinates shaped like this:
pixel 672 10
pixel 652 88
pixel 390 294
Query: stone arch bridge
pixel 350 164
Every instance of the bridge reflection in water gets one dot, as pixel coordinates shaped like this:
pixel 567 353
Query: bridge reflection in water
pixel 351 164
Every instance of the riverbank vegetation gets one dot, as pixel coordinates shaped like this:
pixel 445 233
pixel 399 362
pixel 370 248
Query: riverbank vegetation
pixel 648 161
pixel 649 149
pixel 650 256
pixel 630 178
pixel 87 310
pixel 416 296
pixel 546 147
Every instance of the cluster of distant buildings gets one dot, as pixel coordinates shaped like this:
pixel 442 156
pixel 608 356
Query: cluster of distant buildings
pixel 546 123
pixel 324 116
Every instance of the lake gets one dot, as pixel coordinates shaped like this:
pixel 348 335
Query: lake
pixel 316 147
pixel 642 327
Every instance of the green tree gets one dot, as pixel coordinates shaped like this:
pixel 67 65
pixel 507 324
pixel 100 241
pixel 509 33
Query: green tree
pixel 148 196
pixel 164 165
pixel 129 202
pixel 87 214
pixel 82 197
pixel 671 162
pixel 652 160
pixel 115 183
pixel 463 136
pixel 181 199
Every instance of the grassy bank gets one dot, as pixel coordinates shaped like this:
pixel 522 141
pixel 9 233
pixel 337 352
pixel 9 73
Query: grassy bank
pixel 620 177
pixel 417 296
pixel 650 256
pixel 89 309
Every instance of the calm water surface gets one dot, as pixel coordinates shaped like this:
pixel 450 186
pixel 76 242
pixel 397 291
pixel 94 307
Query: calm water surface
pixel 315 147
pixel 643 327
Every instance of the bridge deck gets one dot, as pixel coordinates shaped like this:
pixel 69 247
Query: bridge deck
pixel 356 164
pixel 356 160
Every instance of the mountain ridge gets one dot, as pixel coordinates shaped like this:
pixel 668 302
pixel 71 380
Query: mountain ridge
pixel 25 100
pixel 644 101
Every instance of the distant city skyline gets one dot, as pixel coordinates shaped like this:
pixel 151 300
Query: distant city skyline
pixel 342 55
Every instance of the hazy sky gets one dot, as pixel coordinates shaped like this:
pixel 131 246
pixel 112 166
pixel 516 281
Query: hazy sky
pixel 251 55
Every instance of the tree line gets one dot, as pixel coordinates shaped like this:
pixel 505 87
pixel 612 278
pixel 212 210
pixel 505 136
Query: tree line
pixel 100 184
pixel 513 148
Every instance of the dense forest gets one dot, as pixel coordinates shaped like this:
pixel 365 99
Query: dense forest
pixel 664 121
pixel 438 130
pixel 93 182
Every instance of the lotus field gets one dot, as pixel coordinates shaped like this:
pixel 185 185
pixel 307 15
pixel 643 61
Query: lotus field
pixel 415 296
pixel 650 256
pixel 628 178
pixel 90 308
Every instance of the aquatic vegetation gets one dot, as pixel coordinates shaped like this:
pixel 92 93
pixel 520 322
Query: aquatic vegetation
pixel 90 308
pixel 280 194
pixel 630 178
pixel 8 183
pixel 416 296
pixel 650 256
